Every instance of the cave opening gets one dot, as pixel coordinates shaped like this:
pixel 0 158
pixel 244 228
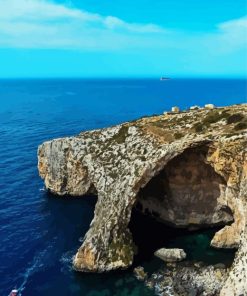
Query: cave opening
pixel 180 208
pixel 150 235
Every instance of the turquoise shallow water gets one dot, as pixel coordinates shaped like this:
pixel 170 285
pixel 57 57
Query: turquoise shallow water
pixel 150 235
pixel 38 233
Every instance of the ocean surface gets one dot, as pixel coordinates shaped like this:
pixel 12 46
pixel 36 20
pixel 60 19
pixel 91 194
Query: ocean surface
pixel 39 233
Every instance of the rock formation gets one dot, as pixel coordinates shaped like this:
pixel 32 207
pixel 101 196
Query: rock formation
pixel 186 169
pixel 185 279
pixel 170 255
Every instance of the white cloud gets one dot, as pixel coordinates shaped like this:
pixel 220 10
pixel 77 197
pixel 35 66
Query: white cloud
pixel 112 22
pixel 234 33
pixel 40 10
pixel 40 23
pixel 234 25
pixel 46 24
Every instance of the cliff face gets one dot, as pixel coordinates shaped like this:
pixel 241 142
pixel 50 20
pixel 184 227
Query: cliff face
pixel 188 169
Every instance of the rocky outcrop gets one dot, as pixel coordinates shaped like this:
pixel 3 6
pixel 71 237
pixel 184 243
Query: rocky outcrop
pixel 170 255
pixel 188 280
pixel 197 160
pixel 140 273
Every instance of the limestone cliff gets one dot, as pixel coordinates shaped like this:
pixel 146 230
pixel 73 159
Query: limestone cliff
pixel 188 169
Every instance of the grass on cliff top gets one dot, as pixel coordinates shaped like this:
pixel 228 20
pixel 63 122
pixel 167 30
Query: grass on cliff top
pixel 234 118
pixel 215 116
pixel 241 126
pixel 159 126
pixel 121 135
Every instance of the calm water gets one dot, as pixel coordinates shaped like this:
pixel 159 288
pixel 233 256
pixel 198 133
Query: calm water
pixel 39 233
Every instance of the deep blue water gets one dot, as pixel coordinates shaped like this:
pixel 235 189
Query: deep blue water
pixel 39 233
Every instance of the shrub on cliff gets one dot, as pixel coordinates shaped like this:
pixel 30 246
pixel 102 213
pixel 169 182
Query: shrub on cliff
pixel 235 118
pixel 241 125
pixel 198 127
pixel 215 116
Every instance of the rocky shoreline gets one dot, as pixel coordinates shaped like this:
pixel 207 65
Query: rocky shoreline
pixel 188 169
pixel 185 279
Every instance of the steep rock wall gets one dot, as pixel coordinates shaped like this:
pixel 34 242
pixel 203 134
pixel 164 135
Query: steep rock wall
pixel 186 192
pixel 118 161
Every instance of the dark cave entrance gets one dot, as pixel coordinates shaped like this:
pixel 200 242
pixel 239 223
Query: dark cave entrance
pixel 150 235
pixel 179 208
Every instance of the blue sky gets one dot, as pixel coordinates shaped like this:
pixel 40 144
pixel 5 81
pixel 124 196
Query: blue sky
pixel 123 38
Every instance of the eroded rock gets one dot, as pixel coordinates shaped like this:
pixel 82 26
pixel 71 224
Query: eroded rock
pixel 188 281
pixel 119 162
pixel 170 255
pixel 140 273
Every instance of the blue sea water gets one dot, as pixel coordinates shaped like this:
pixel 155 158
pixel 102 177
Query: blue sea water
pixel 40 233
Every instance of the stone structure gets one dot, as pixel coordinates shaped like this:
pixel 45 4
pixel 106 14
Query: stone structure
pixel 175 109
pixel 196 159
pixel 209 106
pixel 187 280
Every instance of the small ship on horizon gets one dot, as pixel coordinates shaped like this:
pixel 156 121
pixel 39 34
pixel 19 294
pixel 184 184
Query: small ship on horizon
pixel 164 78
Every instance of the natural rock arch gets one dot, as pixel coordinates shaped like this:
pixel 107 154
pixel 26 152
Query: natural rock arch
pixel 115 241
pixel 122 159
pixel 187 191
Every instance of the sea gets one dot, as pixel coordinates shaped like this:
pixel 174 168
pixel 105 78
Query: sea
pixel 40 232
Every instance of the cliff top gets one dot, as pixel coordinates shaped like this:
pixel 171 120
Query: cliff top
pixel 119 162
pixel 225 121
pixel 211 124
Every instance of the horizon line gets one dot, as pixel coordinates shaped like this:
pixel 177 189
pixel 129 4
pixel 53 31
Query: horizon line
pixel 120 77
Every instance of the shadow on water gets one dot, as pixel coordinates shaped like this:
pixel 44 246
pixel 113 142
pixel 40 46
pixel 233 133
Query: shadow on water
pixel 150 235
pixel 67 219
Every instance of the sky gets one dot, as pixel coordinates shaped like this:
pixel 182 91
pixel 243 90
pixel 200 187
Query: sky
pixel 123 38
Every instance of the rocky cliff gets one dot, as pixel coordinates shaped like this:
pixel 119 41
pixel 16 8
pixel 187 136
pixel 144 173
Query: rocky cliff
pixel 187 169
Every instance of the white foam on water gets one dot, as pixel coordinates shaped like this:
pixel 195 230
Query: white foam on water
pixel 27 273
pixel 35 265
pixel 66 261
pixel 81 239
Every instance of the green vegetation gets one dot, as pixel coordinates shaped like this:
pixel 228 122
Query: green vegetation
pixel 212 117
pixel 160 123
pixel 178 136
pixel 198 127
pixel 215 116
pixel 239 119
pixel 180 119
pixel 113 175
pixel 235 118
pixel 241 126
pixel 143 158
pixel 121 135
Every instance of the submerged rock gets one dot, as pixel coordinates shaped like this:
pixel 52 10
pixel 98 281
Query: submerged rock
pixel 170 255
pixel 140 273
pixel 187 169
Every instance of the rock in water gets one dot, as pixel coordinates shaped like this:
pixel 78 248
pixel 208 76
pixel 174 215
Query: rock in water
pixel 170 255
pixel 187 169
pixel 140 273
pixel 188 280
